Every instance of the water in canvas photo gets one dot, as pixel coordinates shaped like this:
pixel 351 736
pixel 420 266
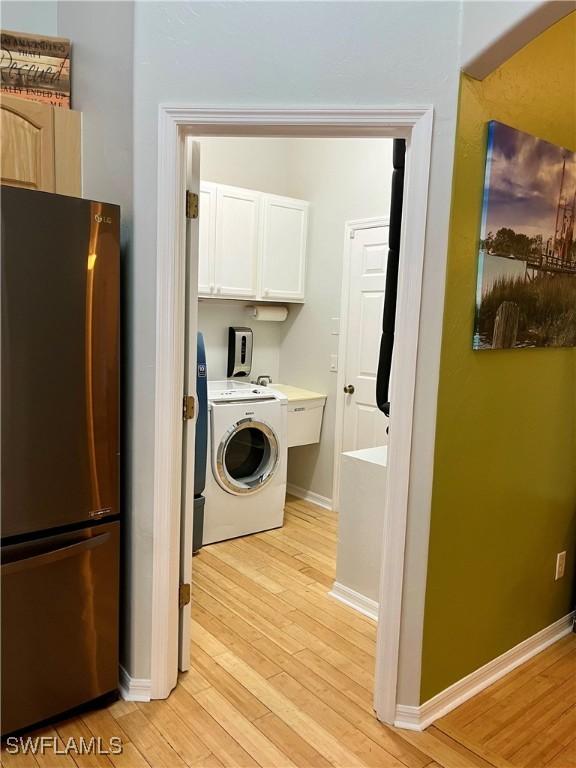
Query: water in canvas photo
pixel 526 290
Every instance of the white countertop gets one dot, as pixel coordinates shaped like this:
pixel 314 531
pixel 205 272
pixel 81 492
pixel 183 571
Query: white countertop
pixel 377 455
pixel 295 393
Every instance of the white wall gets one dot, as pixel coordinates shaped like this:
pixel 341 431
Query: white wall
pixel 480 26
pixel 255 163
pixel 215 316
pixel 105 100
pixel 492 32
pixel 39 17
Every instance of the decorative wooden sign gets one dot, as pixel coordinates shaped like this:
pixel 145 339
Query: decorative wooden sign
pixel 35 67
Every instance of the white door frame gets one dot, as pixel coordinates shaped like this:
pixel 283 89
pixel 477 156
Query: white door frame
pixel 350 228
pixel 175 123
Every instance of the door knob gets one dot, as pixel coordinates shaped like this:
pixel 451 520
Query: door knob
pixel 349 389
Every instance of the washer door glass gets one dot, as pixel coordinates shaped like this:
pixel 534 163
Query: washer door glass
pixel 247 457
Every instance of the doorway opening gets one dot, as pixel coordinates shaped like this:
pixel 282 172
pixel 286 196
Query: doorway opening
pixel 276 335
pixel 239 205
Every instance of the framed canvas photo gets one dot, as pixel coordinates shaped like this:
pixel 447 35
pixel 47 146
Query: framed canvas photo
pixel 526 289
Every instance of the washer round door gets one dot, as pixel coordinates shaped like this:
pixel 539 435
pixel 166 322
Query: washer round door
pixel 247 457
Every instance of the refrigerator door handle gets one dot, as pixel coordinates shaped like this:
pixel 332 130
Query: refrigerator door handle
pixel 54 555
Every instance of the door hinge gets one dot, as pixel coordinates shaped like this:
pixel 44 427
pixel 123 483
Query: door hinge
pixel 191 205
pixel 183 595
pixel 188 407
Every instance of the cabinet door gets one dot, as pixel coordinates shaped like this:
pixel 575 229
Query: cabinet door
pixel 237 242
pixel 67 152
pixel 27 130
pixel 207 239
pixel 283 268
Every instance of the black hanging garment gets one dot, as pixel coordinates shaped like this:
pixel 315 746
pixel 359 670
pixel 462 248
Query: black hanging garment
pixel 389 317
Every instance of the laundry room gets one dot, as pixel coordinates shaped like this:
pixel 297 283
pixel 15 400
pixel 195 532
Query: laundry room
pixel 292 253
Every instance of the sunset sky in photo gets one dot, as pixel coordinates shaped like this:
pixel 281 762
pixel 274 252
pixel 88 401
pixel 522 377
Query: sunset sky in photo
pixel 522 182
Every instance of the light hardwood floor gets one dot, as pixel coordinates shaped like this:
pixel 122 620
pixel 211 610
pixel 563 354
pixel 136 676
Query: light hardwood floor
pixel 527 718
pixel 282 676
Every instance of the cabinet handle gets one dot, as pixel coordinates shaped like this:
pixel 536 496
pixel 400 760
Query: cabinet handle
pixel 266 291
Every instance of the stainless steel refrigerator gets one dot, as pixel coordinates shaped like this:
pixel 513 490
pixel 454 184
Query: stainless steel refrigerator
pixel 60 273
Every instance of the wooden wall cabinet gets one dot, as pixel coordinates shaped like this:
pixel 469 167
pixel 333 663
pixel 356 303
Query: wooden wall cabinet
pixel 252 245
pixel 40 146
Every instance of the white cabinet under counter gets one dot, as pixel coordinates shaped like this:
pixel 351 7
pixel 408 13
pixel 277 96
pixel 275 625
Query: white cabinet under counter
pixel 252 245
pixel 360 528
pixel 305 413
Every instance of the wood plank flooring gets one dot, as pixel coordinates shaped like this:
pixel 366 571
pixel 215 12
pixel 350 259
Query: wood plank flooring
pixel 282 676
pixel 527 718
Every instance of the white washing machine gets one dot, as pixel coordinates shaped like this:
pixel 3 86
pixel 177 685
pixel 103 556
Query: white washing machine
pixel 247 458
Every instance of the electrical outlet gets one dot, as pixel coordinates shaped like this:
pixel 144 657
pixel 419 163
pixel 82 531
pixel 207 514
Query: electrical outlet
pixel 334 363
pixel 560 565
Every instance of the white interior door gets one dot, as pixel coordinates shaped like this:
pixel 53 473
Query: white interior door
pixel 189 429
pixel 237 241
pixel 363 425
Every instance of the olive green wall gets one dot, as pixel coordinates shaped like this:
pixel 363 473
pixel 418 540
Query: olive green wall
pixel 504 497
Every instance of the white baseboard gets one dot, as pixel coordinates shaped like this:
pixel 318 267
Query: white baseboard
pixel 315 498
pixel 419 718
pixel 134 688
pixel 355 600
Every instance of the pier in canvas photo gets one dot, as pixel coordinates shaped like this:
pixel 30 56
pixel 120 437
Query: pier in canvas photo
pixel 526 291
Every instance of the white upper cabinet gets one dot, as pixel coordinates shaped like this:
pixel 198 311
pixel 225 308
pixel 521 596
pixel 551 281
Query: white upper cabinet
pixel 207 239
pixel 237 241
pixel 283 253
pixel 251 245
